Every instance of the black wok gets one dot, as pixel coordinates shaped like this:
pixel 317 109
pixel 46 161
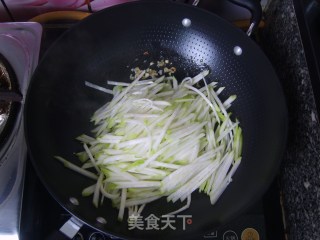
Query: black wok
pixel 105 46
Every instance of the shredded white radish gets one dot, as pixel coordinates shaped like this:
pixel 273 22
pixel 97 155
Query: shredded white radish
pixel 94 86
pixel 160 138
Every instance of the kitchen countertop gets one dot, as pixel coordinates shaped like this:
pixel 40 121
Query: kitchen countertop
pixel 299 174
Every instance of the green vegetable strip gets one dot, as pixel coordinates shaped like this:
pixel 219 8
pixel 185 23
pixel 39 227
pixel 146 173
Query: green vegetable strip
pixel 76 168
pixel 122 203
pixel 88 190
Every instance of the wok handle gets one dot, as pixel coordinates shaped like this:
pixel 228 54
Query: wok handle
pixel 255 9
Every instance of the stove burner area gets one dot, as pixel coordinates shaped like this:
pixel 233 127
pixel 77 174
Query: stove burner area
pixel 4 85
pixel 19 50
pixel 8 109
